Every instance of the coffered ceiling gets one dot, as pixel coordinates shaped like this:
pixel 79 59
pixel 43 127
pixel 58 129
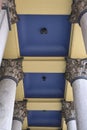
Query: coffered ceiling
pixel 44 84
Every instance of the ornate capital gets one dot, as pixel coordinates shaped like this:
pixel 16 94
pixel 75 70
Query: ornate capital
pixel 79 7
pixel 12 69
pixel 76 69
pixel 20 111
pixel 10 4
pixel 68 111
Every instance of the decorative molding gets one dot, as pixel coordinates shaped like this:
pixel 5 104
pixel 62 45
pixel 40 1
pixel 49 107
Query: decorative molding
pixel 79 7
pixel 76 69
pixel 20 111
pixel 10 4
pixel 68 111
pixel 11 68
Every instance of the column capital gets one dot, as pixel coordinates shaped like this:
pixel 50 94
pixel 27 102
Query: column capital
pixel 68 111
pixel 79 7
pixel 76 69
pixel 20 111
pixel 10 4
pixel 11 68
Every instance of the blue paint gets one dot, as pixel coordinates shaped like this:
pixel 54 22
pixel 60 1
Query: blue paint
pixel 55 43
pixel 36 87
pixel 44 118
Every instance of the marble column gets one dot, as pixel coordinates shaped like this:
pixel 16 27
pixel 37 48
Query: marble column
pixel 8 16
pixel 20 113
pixel 10 74
pixel 69 115
pixel 79 15
pixel 76 74
pixel 4 29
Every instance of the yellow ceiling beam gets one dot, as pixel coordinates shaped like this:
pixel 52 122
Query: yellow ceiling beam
pixel 25 126
pixel 41 103
pixel 54 106
pixel 44 99
pixel 44 66
pixel 43 6
pixel 44 128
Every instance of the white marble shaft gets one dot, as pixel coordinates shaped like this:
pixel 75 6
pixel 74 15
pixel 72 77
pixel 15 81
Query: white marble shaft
pixel 71 125
pixel 16 125
pixel 7 98
pixel 76 74
pixel 4 29
pixel 10 74
pixel 80 101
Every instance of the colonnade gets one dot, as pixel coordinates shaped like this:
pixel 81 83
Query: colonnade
pixel 11 73
pixel 76 69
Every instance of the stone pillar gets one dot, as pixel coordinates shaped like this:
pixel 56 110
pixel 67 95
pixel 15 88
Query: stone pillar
pixel 8 16
pixel 79 15
pixel 69 115
pixel 10 74
pixel 20 113
pixel 4 29
pixel 76 74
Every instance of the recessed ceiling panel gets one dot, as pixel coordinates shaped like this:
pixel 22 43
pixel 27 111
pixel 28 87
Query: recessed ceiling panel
pixel 44 35
pixel 44 118
pixel 44 85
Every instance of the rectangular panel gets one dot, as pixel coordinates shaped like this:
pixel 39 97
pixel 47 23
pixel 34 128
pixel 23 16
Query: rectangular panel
pixel 44 118
pixel 44 85
pixel 44 35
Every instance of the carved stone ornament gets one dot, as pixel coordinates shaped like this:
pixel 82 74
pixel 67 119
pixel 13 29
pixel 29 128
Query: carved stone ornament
pixel 11 69
pixel 78 7
pixel 20 111
pixel 12 10
pixel 68 111
pixel 75 69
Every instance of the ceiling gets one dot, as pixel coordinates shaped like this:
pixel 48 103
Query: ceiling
pixel 44 84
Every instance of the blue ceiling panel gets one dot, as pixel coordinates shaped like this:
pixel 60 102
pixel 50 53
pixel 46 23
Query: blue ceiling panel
pixel 44 85
pixel 44 118
pixel 33 43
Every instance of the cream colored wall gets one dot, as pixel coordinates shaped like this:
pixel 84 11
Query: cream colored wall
pixel 48 64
